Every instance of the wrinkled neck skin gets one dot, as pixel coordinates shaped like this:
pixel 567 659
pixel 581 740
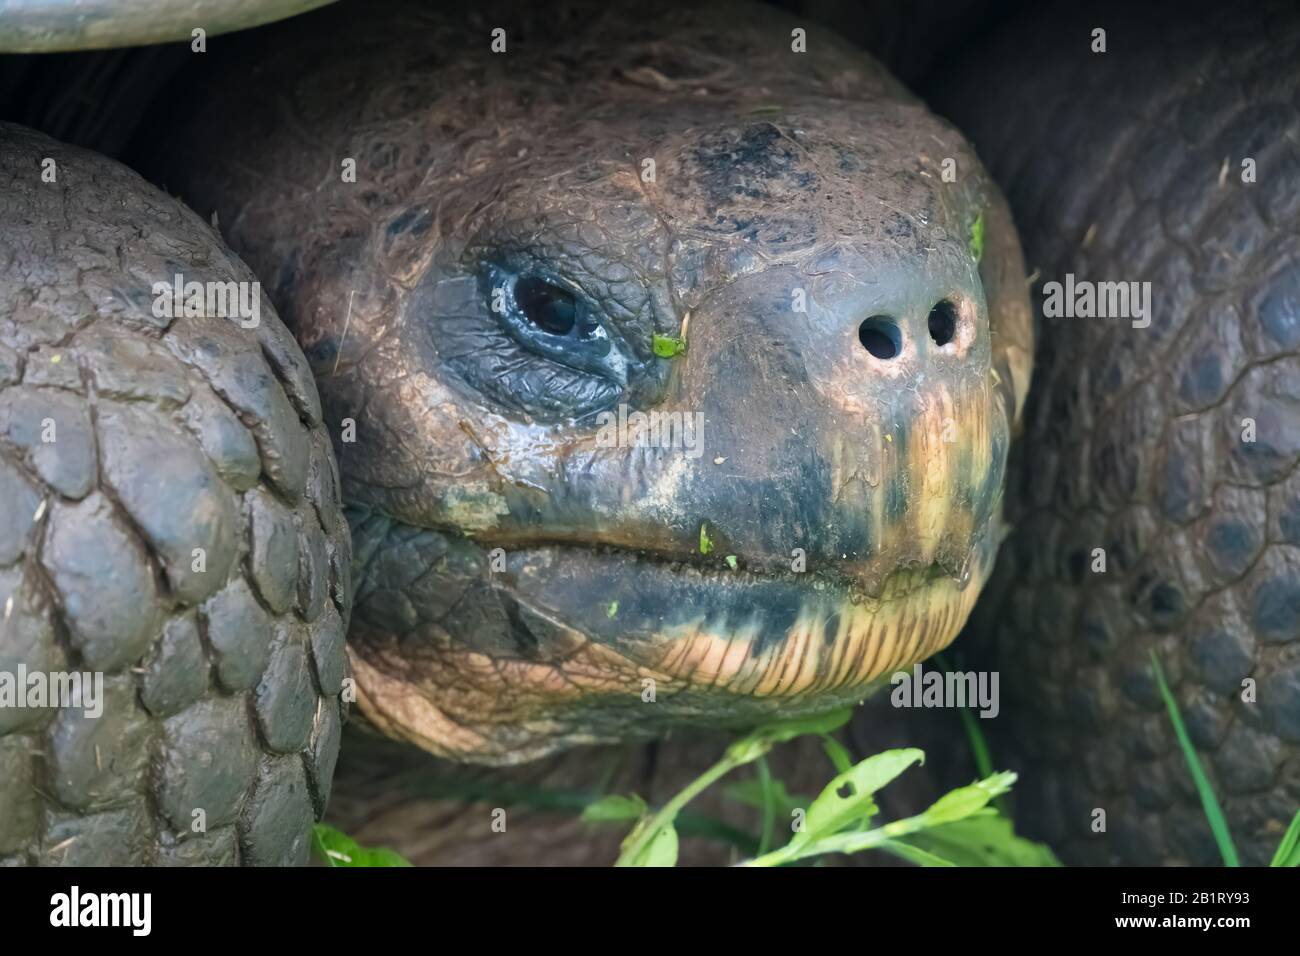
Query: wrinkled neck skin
pixel 497 304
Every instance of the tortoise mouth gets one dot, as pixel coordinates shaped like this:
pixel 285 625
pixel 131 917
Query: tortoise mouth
pixel 742 632
pixel 568 643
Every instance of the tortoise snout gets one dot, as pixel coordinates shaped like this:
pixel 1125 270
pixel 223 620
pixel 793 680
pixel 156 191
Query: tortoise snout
pixel 861 428
pixel 951 322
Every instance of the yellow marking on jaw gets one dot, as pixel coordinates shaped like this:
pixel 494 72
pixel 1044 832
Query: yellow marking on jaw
pixel 938 491
pixel 872 639
pixel 929 458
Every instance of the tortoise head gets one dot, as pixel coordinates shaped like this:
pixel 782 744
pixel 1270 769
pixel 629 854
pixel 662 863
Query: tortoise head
pixel 671 371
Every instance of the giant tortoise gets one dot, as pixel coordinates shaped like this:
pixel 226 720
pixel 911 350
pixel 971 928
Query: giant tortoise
pixel 652 374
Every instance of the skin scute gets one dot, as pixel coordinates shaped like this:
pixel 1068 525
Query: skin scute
pixel 688 180
pixel 1129 167
pixel 161 477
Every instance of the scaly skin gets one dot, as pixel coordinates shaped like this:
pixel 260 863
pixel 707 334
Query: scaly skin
pixel 774 172
pixel 1127 167
pixel 127 441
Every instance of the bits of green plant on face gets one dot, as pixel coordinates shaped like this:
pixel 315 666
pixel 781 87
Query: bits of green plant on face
pixel 977 237
pixel 667 346
pixel 731 561
pixel 706 543
pixel 612 611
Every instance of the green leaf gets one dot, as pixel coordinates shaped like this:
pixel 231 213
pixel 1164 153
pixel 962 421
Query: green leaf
pixel 614 808
pixel 612 611
pixel 661 850
pixel 977 237
pixel 964 801
pixel 666 346
pixel 983 840
pixel 338 849
pixel 1288 851
pixel 914 854
pixel 731 561
pixel 843 761
pixel 706 543
pixel 848 797
pixel 1209 802
pixel 968 801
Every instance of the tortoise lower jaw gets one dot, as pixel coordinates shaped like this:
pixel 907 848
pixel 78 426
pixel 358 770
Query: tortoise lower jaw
pixel 609 645
pixel 742 634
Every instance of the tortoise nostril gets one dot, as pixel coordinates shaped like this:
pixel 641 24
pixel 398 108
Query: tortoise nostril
pixel 879 335
pixel 943 322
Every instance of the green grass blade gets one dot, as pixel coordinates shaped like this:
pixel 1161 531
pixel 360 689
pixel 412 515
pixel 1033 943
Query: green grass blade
pixel 1288 851
pixel 769 805
pixel 837 753
pixel 1210 803
pixel 979 746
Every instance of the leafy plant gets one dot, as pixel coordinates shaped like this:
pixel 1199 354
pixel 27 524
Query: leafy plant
pixel 959 827
pixel 653 841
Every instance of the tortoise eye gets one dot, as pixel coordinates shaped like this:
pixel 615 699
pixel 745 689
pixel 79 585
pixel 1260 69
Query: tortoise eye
pixel 550 308
pixel 548 318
